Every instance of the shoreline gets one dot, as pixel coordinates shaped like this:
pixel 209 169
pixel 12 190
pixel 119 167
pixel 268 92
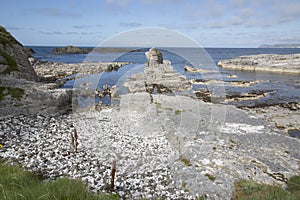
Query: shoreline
pixel 166 146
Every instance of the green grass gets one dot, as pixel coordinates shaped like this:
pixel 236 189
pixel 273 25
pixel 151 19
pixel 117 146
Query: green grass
pixel 210 177
pixel 186 161
pixel 249 190
pixel 19 184
pixel 178 112
pixel 16 93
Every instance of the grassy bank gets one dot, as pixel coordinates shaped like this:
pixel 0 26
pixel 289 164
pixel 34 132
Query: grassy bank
pixel 19 184
pixel 249 190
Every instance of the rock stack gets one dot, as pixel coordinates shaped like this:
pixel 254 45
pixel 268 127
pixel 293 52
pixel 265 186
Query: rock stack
pixel 158 76
pixel 154 56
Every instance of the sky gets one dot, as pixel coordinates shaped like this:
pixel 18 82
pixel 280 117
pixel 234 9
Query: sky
pixel 212 23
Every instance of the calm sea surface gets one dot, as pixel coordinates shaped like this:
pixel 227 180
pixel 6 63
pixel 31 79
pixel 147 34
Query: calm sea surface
pixel 281 88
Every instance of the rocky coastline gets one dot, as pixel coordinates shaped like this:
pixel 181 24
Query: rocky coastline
pixel 56 70
pixel 264 62
pixel 166 146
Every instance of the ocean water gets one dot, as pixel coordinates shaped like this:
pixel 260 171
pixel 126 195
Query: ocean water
pixel 280 88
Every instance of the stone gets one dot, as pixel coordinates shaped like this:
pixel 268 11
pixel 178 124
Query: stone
pixel 158 77
pixel 154 56
pixel 55 70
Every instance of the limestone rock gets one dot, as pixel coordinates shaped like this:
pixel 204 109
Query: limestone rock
pixel 154 56
pixel 158 77
pixel 289 63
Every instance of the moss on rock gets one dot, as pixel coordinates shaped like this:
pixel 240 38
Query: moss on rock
pixel 16 93
pixel 10 62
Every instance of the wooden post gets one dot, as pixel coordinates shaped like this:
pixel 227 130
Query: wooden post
pixel 113 172
pixel 75 140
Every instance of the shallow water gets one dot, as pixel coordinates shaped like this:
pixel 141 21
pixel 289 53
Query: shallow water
pixel 279 88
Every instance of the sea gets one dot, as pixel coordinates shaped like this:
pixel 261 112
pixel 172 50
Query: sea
pixel 277 88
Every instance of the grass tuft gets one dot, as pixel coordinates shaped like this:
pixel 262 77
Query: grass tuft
pixel 210 177
pixel 19 184
pixel 186 161
pixel 294 183
pixel 178 112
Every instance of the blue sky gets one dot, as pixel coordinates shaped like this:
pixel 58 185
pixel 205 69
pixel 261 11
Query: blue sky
pixel 213 23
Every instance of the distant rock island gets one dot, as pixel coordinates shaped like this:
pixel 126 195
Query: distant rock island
pixel 71 50
pixel 279 46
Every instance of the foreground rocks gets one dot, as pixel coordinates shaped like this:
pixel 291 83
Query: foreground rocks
pixel 158 76
pixel 264 62
pixel 169 147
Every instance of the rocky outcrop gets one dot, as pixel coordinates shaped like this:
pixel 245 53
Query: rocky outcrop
pixel 20 89
pixel 158 76
pixel 285 116
pixel 13 58
pixel 57 70
pixel 29 51
pixel 214 140
pixel 71 50
pixel 264 62
pixel 154 56
pixel 20 96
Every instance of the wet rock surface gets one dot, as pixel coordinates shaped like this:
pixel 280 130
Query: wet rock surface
pixel 264 62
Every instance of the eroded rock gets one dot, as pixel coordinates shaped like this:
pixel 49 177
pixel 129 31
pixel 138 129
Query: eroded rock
pixel 158 77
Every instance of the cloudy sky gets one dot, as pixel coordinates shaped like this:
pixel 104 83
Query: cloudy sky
pixel 213 23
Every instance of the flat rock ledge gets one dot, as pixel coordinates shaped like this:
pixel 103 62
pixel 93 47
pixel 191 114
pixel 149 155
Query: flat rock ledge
pixel 56 70
pixel 158 76
pixel 289 63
